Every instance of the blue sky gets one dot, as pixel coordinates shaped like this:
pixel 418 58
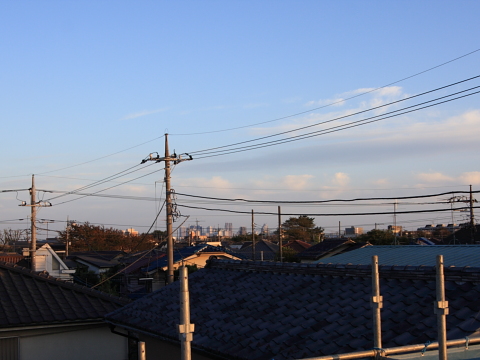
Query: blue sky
pixel 82 80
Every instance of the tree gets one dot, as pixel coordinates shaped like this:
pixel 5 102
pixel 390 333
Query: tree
pixel 381 237
pixel 302 228
pixel 9 237
pixel 87 237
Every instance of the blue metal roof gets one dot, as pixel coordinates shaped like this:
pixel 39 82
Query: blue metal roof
pixel 414 255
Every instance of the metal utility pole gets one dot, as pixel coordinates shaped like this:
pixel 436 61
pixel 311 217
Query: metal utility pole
pixel 185 329
pixel 253 238
pixel 168 200
pixel 377 304
pixel 441 309
pixel 280 240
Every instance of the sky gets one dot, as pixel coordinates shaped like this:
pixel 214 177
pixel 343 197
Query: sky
pixel 88 89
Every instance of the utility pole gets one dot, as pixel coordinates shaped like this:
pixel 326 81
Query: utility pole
pixel 33 228
pixel 33 218
pixel 280 233
pixel 472 220
pixel 339 230
pixel 168 200
pixel 253 238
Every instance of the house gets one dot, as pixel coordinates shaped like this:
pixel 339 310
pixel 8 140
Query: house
pixel 264 251
pixel 97 261
pixel 327 248
pixel 297 245
pixel 246 310
pixel 413 255
pixel 48 260
pixel 44 318
pixel 197 255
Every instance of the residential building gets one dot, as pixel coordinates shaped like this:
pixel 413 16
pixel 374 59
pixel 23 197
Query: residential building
pixel 44 318
pixel 248 310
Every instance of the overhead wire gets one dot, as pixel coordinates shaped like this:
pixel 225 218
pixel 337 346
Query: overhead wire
pixel 111 187
pixel 334 102
pixel 206 153
pixel 325 131
pixel 326 214
pixel 331 200
pixel 102 181
pixel 337 118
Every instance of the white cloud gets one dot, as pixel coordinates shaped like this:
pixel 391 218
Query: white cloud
pixel 434 177
pixel 470 178
pixel 341 179
pixel 296 182
pixel 142 113
pixel 216 182
pixel 332 102
pixel 466 178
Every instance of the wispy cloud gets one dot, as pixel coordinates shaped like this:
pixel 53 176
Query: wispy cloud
pixel 296 182
pixel 466 178
pixel 142 113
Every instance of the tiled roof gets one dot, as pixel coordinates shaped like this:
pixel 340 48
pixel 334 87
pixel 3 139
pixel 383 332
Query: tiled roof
pixel 183 253
pixel 264 310
pixel 29 299
pixel 328 247
pixel 263 248
pixel 297 245
pixel 454 255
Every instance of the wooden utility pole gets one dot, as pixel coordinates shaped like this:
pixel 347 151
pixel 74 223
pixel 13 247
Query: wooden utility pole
pixel 168 200
pixel 280 233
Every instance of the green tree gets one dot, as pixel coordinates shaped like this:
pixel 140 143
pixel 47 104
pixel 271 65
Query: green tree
pixel 381 237
pixel 302 228
pixel 288 254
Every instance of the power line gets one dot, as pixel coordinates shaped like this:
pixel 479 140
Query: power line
pixel 332 103
pixel 99 182
pixel 327 131
pixel 102 157
pixel 338 118
pixel 111 187
pixel 328 201
pixel 329 214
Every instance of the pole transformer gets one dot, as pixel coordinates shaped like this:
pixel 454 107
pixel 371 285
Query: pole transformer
pixel 168 199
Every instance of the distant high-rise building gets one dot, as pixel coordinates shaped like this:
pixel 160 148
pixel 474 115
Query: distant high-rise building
pixel 265 230
pixel 228 229
pixel 183 231
pixel 353 231
pixel 242 230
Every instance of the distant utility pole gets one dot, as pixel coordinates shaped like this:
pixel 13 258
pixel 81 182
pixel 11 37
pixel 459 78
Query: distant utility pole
pixel 168 199
pixel 33 218
pixel 472 219
pixel 280 233
pixel 253 238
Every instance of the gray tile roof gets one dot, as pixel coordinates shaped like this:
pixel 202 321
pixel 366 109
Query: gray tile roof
pixel 265 310
pixel 29 299
pixel 454 255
